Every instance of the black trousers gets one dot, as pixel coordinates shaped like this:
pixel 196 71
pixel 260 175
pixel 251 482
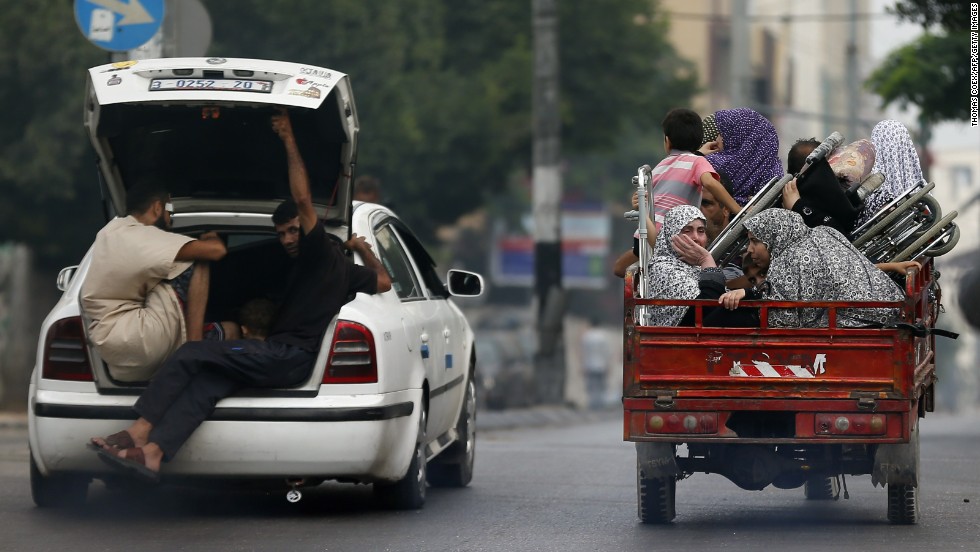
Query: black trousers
pixel 190 383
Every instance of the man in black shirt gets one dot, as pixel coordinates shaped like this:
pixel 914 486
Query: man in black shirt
pixel 186 389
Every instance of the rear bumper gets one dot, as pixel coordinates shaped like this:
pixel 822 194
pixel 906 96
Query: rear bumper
pixel 354 437
pixel 767 421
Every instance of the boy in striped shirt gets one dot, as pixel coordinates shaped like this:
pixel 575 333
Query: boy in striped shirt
pixel 680 177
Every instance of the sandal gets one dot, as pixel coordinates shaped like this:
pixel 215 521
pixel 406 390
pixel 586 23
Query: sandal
pixel 119 441
pixel 133 463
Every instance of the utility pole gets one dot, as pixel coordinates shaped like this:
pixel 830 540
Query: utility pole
pixel 546 199
pixel 739 65
pixel 853 94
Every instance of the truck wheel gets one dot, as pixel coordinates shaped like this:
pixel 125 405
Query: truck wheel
pixel 655 498
pixel 903 508
pixel 408 493
pixel 821 488
pixel 57 491
pixel 454 467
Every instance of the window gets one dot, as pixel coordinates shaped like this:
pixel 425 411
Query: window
pixel 426 266
pixel 393 257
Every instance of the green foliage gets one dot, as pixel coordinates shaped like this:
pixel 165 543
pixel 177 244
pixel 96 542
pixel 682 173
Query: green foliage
pixel 443 89
pixel 47 181
pixel 932 72
pixel 952 15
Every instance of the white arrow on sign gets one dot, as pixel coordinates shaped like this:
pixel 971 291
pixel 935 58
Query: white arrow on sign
pixel 133 12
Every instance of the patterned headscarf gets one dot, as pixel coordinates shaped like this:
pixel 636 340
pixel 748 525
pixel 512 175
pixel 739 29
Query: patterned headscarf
pixel 750 157
pixel 710 129
pixel 818 264
pixel 669 277
pixel 897 159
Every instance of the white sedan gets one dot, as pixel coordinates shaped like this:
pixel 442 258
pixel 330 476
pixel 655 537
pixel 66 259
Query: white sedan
pixel 391 400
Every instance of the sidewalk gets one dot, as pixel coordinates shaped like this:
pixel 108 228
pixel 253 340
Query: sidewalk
pixel 515 418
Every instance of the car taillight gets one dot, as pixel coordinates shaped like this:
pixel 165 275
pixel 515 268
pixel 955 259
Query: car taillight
pixel 65 352
pixel 352 355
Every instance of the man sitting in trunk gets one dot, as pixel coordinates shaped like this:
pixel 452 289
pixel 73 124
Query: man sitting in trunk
pixel 146 288
pixel 192 381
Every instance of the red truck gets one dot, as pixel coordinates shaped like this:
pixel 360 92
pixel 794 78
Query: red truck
pixel 789 407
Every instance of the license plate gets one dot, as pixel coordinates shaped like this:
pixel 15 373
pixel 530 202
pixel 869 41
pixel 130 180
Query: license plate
pixel 234 85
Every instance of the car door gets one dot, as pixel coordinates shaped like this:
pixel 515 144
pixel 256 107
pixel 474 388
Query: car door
pixel 443 328
pixel 416 312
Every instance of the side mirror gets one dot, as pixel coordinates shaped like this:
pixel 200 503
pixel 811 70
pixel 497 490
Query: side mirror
pixel 465 284
pixel 65 276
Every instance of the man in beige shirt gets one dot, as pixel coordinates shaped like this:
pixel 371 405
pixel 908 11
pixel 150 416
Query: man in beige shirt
pixel 134 314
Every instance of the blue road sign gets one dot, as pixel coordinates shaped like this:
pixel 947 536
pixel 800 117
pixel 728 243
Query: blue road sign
pixel 119 25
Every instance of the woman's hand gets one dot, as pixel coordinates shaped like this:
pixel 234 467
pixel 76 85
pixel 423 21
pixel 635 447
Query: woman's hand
pixel 791 194
pixel 901 267
pixel 730 299
pixel 690 252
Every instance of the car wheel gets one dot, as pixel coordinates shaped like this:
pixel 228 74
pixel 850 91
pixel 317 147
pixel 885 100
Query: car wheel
pixel 408 493
pixel 655 498
pixel 454 466
pixel 57 491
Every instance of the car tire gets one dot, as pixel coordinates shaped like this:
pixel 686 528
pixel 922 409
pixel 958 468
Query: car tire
pixel 408 493
pixel 57 491
pixel 454 466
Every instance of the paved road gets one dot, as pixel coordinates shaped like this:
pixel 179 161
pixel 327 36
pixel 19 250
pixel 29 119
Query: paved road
pixel 561 488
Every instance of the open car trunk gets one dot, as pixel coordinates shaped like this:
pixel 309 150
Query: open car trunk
pixel 203 125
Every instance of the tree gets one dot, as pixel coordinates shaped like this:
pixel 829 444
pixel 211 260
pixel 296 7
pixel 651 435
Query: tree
pixel 932 72
pixel 47 174
pixel 444 88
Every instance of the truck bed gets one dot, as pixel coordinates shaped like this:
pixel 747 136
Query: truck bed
pixel 779 385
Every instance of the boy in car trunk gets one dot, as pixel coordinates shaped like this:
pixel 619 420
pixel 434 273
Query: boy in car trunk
pixel 185 390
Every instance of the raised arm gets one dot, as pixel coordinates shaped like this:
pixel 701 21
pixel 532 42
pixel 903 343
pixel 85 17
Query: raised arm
pixel 299 180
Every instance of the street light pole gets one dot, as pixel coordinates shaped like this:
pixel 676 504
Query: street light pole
pixel 546 199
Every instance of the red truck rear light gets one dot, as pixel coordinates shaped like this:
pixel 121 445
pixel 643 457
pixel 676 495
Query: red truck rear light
pixel 352 355
pixel 65 352
pixel 683 422
pixel 850 424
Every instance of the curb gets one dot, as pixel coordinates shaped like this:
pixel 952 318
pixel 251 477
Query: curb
pixel 13 420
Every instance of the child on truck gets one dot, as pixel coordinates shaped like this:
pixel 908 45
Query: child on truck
pixel 683 174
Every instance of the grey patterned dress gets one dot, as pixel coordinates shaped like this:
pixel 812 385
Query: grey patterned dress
pixel 668 276
pixel 818 264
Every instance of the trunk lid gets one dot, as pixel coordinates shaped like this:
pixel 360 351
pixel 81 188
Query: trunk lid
pixel 203 125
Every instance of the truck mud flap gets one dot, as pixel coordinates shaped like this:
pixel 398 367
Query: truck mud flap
pixel 897 464
pixel 656 460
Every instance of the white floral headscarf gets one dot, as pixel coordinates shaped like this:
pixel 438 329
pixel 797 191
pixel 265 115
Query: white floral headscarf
pixel 818 264
pixel 669 277
pixel 897 159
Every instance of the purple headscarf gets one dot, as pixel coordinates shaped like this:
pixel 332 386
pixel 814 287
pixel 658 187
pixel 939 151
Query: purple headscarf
pixel 751 155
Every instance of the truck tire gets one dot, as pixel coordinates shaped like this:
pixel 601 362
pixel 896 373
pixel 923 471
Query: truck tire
pixel 57 491
pixel 821 488
pixel 454 466
pixel 655 498
pixel 903 508
pixel 408 493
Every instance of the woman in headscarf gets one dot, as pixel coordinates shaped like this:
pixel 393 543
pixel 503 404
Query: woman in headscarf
pixel 681 267
pixel 813 264
pixel 750 151
pixel 897 159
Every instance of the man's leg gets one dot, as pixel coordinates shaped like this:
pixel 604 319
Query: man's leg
pixel 197 300
pixel 222 368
